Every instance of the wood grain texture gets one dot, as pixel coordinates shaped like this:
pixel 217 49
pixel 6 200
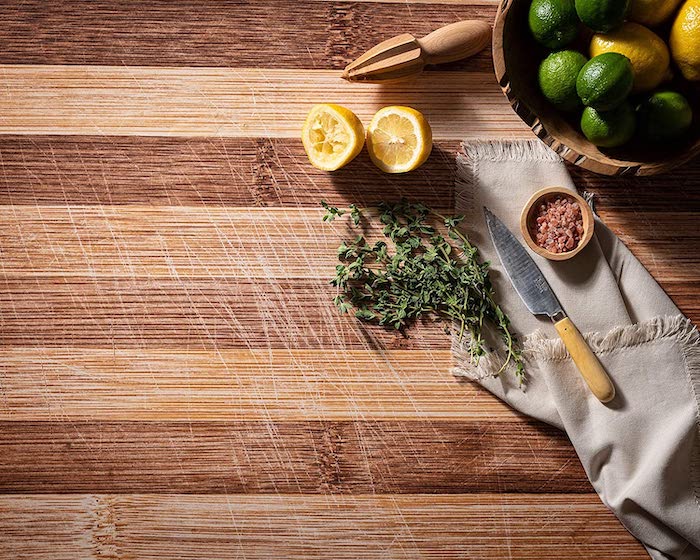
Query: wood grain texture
pixel 240 172
pixel 186 243
pixel 624 196
pixel 172 171
pixel 225 385
pixel 287 457
pixel 263 33
pixel 234 102
pixel 82 252
pixel 199 314
pixel 492 526
pixel 159 171
pixel 207 314
pixel 168 349
pixel 172 242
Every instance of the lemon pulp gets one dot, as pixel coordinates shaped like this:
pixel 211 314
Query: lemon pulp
pixel 399 139
pixel 332 136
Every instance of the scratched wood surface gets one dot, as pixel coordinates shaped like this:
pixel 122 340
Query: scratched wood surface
pixel 174 382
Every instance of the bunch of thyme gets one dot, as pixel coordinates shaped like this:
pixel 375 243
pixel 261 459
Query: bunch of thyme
pixel 419 272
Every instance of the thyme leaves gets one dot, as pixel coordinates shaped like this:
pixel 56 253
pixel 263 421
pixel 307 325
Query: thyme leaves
pixel 420 272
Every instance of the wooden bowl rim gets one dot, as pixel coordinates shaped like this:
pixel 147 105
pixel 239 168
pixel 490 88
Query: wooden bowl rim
pixel 598 163
pixel 586 212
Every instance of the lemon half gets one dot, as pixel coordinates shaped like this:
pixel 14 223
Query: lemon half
pixel 332 136
pixel 399 139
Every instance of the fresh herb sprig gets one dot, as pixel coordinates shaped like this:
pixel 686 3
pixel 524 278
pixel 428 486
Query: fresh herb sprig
pixel 419 272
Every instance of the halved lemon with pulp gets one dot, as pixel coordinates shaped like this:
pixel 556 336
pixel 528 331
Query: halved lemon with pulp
pixel 332 136
pixel 399 139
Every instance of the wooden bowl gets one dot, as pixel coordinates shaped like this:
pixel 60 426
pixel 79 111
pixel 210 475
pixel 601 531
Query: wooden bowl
pixel 526 218
pixel 516 58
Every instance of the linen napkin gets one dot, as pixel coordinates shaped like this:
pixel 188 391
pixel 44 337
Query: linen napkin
pixel 641 451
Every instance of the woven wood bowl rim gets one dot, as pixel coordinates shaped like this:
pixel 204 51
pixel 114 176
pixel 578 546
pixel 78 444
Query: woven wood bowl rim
pixel 593 160
pixel 586 212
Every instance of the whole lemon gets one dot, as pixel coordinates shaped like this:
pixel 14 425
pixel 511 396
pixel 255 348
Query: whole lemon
pixel 685 40
pixel 647 53
pixel 651 12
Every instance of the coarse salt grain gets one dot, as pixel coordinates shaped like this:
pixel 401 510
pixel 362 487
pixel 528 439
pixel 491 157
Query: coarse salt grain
pixel 558 224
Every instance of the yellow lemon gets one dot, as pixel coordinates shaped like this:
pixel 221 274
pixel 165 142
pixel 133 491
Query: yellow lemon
pixel 647 53
pixel 332 136
pixel 651 12
pixel 399 139
pixel 685 40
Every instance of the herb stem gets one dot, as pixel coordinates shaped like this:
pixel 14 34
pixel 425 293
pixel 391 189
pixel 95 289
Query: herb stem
pixel 420 274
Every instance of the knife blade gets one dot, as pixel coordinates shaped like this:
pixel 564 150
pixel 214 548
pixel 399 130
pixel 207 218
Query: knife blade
pixel 523 273
pixel 540 299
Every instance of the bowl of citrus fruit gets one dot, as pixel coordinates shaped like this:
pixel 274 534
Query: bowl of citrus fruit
pixel 610 85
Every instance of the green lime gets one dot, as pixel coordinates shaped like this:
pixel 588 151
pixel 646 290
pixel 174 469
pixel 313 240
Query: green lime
pixel 664 115
pixel 553 23
pixel 602 15
pixel 608 129
pixel 557 78
pixel 605 81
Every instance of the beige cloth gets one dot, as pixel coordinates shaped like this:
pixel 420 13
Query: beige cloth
pixel 642 451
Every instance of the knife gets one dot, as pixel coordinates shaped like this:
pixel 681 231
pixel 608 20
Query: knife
pixel 534 290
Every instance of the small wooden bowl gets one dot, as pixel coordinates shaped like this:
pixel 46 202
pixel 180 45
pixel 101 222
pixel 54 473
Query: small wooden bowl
pixel 527 217
pixel 516 59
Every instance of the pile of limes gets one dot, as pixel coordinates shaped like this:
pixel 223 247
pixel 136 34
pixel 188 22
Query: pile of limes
pixel 620 90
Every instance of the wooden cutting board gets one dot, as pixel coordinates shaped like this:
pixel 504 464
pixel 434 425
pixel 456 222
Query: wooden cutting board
pixel 174 382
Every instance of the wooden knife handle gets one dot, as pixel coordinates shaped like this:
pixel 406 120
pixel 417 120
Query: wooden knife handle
pixel 586 361
pixel 455 41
